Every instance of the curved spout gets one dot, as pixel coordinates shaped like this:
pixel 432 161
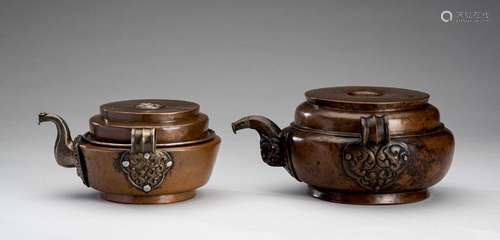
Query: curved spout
pixel 63 147
pixel 261 124
pixel 271 144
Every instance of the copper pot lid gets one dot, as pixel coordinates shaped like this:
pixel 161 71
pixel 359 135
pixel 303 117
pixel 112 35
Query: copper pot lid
pixel 406 110
pixel 173 120
pixel 367 98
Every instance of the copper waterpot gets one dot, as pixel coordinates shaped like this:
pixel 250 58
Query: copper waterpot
pixel 140 151
pixel 361 145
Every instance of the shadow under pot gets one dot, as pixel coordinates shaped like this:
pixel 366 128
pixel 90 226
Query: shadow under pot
pixel 141 151
pixel 360 145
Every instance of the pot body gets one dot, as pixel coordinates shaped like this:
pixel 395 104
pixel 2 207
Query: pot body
pixel 190 169
pixel 319 159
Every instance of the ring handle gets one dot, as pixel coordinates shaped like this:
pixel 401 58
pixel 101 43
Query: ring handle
pixel 143 140
pixel 374 129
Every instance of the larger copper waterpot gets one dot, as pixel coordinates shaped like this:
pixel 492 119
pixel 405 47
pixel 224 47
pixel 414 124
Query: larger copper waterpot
pixel 361 145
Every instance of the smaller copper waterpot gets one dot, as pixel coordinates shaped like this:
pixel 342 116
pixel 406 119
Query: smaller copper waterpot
pixel 141 151
pixel 360 145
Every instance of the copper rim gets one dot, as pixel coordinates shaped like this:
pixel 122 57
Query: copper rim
pixel 357 135
pixel 154 199
pixel 369 198
pixel 88 137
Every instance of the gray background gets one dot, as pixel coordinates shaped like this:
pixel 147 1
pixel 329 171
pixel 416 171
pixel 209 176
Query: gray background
pixel 237 58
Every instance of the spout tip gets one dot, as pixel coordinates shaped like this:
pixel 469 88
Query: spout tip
pixel 233 126
pixel 240 124
pixel 41 117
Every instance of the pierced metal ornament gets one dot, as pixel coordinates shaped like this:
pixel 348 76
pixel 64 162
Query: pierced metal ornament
pixel 375 167
pixel 146 171
pixel 144 166
pixel 80 164
pixel 375 162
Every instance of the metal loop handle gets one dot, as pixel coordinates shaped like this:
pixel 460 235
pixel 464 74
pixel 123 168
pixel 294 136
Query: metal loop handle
pixel 143 140
pixel 374 130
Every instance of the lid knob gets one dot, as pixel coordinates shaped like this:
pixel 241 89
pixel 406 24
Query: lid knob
pixel 148 106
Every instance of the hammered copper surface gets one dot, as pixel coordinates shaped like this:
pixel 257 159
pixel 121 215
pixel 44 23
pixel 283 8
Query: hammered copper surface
pixel 191 169
pixel 362 145
pixel 173 120
pixel 141 151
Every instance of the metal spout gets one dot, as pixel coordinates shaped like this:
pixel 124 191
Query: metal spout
pixel 63 148
pixel 271 145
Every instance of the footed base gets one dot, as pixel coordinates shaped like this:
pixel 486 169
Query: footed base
pixel 153 199
pixel 367 198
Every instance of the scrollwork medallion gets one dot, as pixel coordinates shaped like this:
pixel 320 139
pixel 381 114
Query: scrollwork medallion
pixel 375 166
pixel 270 150
pixel 146 171
pixel 80 165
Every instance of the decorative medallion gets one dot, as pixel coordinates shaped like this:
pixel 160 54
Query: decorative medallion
pixel 148 106
pixel 375 166
pixel 146 171
pixel 81 166
pixel 270 150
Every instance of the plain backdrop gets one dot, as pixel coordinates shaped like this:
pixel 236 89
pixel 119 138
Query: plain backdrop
pixel 237 58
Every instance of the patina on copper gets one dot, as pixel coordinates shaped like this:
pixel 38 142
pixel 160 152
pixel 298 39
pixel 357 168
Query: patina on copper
pixel 360 145
pixel 141 151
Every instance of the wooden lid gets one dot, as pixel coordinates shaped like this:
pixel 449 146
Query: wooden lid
pixel 339 109
pixel 174 120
